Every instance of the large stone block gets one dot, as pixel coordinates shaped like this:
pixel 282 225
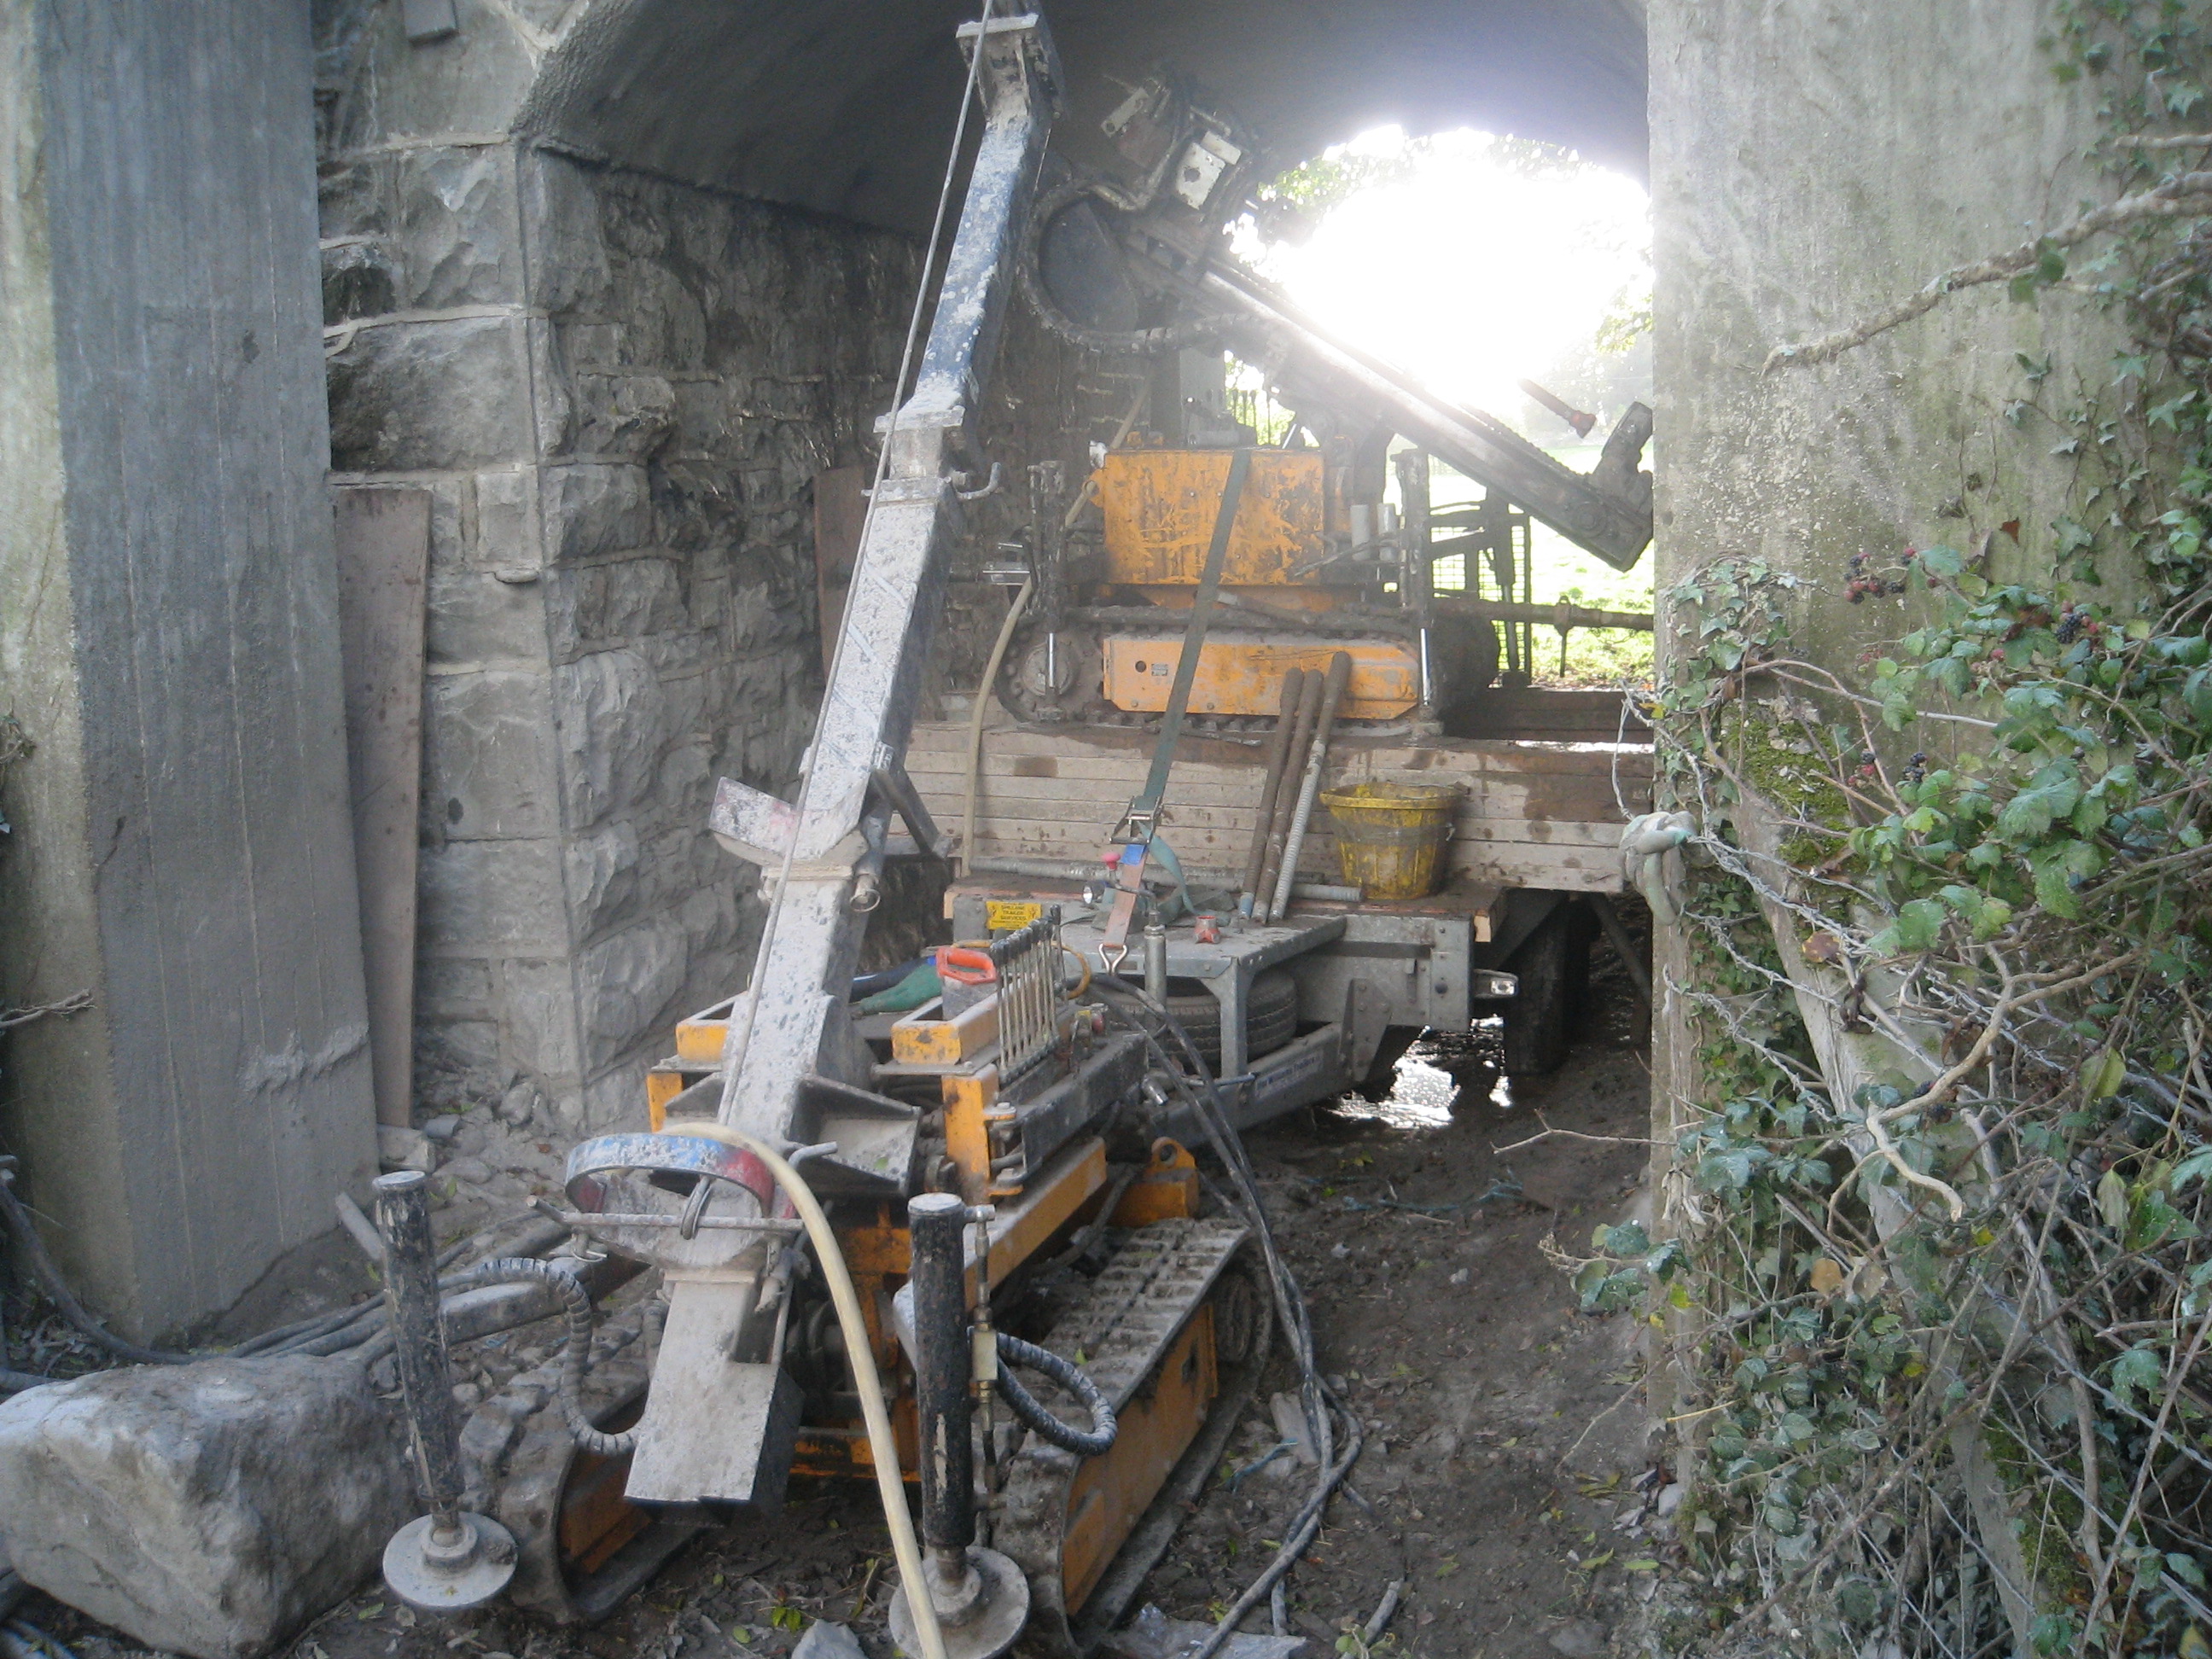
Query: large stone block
pixel 354 197
pixel 453 988
pixel 509 533
pixel 697 504
pixel 540 997
pixel 359 280
pixel 488 766
pixel 452 1059
pixel 209 1508
pixel 627 986
pixel 485 619
pixel 613 1101
pixel 492 898
pixel 632 416
pixel 598 604
pixel 590 508
pixel 569 269
pixel 610 711
pixel 603 868
pixel 431 396
pixel 457 224
pixel 473 81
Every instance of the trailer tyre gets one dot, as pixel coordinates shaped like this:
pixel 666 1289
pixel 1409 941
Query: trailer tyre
pixel 1554 968
pixel 1271 1015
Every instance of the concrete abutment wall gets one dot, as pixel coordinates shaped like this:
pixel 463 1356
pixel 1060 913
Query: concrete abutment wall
pixel 181 847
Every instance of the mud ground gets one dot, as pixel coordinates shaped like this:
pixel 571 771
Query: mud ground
pixel 1505 1477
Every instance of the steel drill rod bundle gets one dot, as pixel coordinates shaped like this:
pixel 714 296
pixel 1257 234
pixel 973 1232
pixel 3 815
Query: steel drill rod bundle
pixel 1271 786
pixel 1339 676
pixel 1278 828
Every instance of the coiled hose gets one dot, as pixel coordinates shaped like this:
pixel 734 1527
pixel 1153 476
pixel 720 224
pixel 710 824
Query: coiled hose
pixel 575 1343
pixel 1025 1405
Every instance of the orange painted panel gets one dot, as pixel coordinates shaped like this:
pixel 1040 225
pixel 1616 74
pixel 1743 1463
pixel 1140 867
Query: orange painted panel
pixel 1111 1493
pixel 1160 506
pixel 1245 676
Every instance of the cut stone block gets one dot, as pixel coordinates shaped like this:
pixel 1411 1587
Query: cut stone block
pixel 401 1148
pixel 210 1509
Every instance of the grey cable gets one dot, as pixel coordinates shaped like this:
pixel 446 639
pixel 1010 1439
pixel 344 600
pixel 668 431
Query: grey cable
pixel 1313 1393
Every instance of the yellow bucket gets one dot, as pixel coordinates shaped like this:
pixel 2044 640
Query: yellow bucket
pixel 1390 837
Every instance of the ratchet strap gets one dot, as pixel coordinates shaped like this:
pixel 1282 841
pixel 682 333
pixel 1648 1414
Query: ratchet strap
pixel 1138 824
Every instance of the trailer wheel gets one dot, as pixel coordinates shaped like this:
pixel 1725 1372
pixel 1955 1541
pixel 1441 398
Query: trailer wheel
pixel 1554 968
pixel 1271 1015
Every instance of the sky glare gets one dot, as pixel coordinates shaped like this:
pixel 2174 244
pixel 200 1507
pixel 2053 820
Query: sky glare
pixel 1472 270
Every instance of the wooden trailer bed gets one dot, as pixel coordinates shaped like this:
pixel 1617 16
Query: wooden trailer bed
pixel 1537 812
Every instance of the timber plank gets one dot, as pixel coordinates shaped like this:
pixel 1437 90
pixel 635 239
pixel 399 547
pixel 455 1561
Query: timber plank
pixel 1531 813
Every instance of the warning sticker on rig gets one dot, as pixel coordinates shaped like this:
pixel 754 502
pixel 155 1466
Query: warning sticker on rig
pixel 1006 915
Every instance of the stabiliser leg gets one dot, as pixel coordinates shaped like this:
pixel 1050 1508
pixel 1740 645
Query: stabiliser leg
pixel 448 1560
pixel 981 1598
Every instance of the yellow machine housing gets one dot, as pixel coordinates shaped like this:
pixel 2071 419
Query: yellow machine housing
pixel 1037 1210
pixel 1160 505
pixel 1159 508
pixel 1244 676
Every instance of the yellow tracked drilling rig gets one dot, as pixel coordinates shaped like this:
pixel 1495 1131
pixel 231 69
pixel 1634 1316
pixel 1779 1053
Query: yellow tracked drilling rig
pixel 870 1226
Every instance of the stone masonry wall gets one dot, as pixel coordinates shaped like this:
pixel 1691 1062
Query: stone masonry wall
pixel 620 403
pixel 619 390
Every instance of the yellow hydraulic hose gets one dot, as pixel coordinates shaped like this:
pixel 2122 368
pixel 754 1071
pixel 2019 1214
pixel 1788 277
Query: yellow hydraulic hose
pixel 882 1449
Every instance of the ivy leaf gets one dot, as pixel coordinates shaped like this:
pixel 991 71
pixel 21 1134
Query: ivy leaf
pixel 2152 1220
pixel 1626 1240
pixel 2139 1367
pixel 2102 1076
pixel 2113 1200
pixel 2165 414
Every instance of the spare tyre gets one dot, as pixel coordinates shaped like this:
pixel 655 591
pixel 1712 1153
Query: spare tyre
pixel 1271 1015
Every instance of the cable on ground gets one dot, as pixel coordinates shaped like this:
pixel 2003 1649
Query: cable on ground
pixel 1196 1087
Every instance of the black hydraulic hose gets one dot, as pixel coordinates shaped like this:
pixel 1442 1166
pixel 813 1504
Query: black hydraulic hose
pixel 51 1280
pixel 321 1335
pixel 866 985
pixel 575 1344
pixel 1204 1102
pixel 1013 1350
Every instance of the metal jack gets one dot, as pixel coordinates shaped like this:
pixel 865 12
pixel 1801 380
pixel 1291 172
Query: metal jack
pixel 449 1559
pixel 981 1598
